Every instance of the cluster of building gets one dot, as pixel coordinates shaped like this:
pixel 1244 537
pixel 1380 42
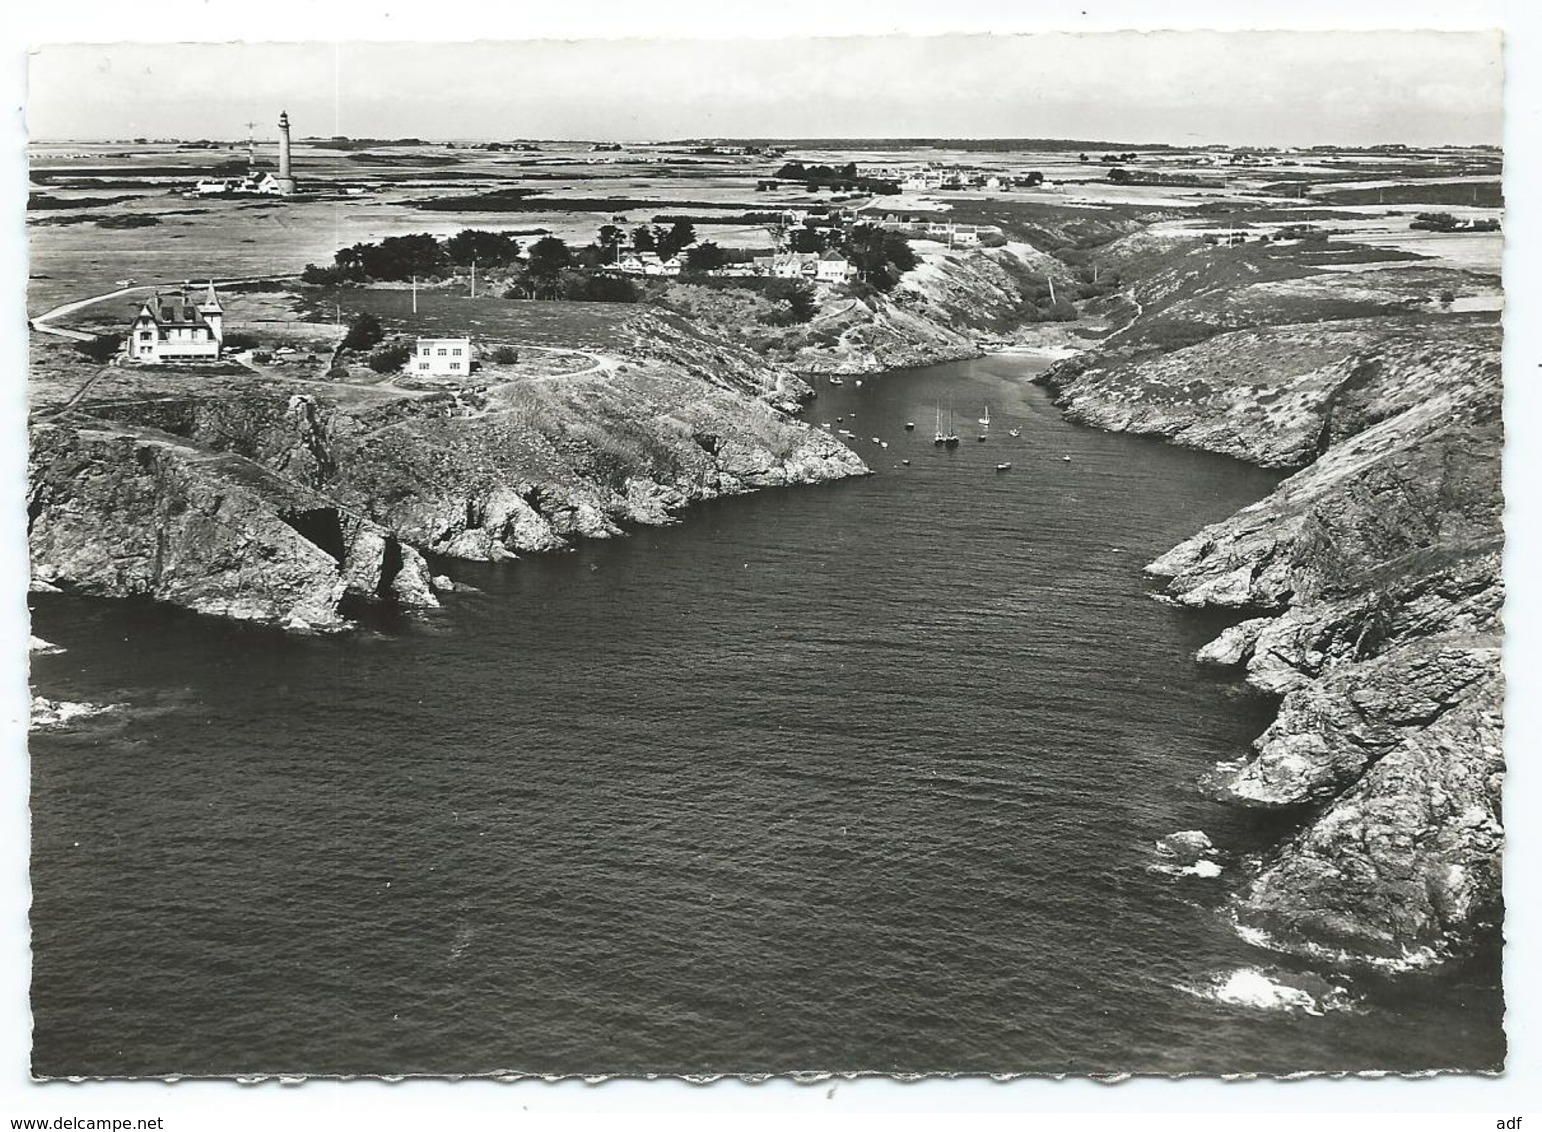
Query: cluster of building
pixel 954 235
pixel 630 261
pixel 820 267
pixel 280 184
pixel 942 179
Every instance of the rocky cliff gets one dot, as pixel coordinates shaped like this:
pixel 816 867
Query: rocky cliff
pixel 1371 589
pixel 285 501
pixel 938 312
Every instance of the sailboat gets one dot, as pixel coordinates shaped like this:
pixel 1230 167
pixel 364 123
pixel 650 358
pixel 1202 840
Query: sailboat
pixel 986 419
pixel 940 437
pixel 951 440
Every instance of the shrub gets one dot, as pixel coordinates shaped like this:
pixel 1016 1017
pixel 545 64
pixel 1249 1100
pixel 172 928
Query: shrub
pixel 261 357
pixel 101 348
pixel 364 332
pixel 390 357
pixel 132 220
pixel 337 373
pixel 587 287
pixel 323 276
pixel 239 340
pixel 795 302
pixel 505 355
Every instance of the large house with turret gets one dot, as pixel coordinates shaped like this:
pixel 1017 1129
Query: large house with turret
pixel 175 328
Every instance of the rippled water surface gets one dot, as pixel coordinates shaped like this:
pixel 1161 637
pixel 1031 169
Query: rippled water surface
pixel 859 776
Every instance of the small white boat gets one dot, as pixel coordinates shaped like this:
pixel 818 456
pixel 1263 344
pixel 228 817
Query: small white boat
pixel 883 444
pixel 986 419
pixel 1006 467
pixel 846 433
pixel 859 381
pixel 1067 459
pixel 836 381
pixel 1014 432
pixel 877 441
pixel 825 424
pixel 905 462
pixel 910 426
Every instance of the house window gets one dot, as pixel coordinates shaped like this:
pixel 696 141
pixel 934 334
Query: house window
pixel 422 365
pixel 145 335
pixel 455 365
pixel 442 353
pixel 456 351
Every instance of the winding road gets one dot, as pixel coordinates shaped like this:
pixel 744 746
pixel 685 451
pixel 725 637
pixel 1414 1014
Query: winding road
pixel 41 322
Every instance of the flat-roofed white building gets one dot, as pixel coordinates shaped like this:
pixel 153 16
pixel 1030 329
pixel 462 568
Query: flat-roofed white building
pixel 442 357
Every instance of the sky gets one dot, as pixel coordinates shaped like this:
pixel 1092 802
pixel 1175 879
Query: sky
pixel 1184 88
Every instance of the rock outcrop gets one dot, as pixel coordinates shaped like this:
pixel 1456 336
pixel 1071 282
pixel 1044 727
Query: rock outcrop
pixel 139 513
pixel 938 312
pixel 264 500
pixel 1372 588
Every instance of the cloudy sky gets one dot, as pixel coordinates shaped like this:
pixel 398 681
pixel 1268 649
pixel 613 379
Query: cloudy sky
pixel 1284 88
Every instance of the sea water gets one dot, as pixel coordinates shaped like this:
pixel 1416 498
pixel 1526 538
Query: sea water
pixel 863 776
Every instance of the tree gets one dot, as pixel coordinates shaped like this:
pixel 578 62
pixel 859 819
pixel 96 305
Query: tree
pixel 644 240
pixel 1119 176
pixel 806 239
pixel 609 239
pixel 794 299
pixel 880 256
pixel 394 258
pixel 706 256
pixel 681 235
pixel 547 257
pixel 488 249
pixel 1034 178
pixel 363 332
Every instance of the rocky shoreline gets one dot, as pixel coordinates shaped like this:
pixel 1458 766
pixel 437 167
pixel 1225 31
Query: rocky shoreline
pixel 1371 589
pixel 1367 585
pixel 260 500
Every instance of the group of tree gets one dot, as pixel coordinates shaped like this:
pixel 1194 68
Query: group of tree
pixel 846 178
pixel 420 256
pixel 880 256
pixel 1122 176
pixel 666 242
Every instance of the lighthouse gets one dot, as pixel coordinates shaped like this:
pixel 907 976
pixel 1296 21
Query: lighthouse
pixel 286 182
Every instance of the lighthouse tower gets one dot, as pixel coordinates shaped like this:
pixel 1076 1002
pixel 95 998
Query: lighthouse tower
pixel 286 181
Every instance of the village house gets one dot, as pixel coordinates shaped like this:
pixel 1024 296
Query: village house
pixel 442 357
pixel 832 267
pixel 173 328
pixel 822 267
pixel 633 262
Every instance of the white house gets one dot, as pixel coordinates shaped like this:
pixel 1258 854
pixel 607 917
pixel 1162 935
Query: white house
pixel 171 328
pixel 253 184
pixel 633 262
pixel 832 267
pixel 442 357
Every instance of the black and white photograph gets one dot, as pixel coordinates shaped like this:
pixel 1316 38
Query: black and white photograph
pixel 823 556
